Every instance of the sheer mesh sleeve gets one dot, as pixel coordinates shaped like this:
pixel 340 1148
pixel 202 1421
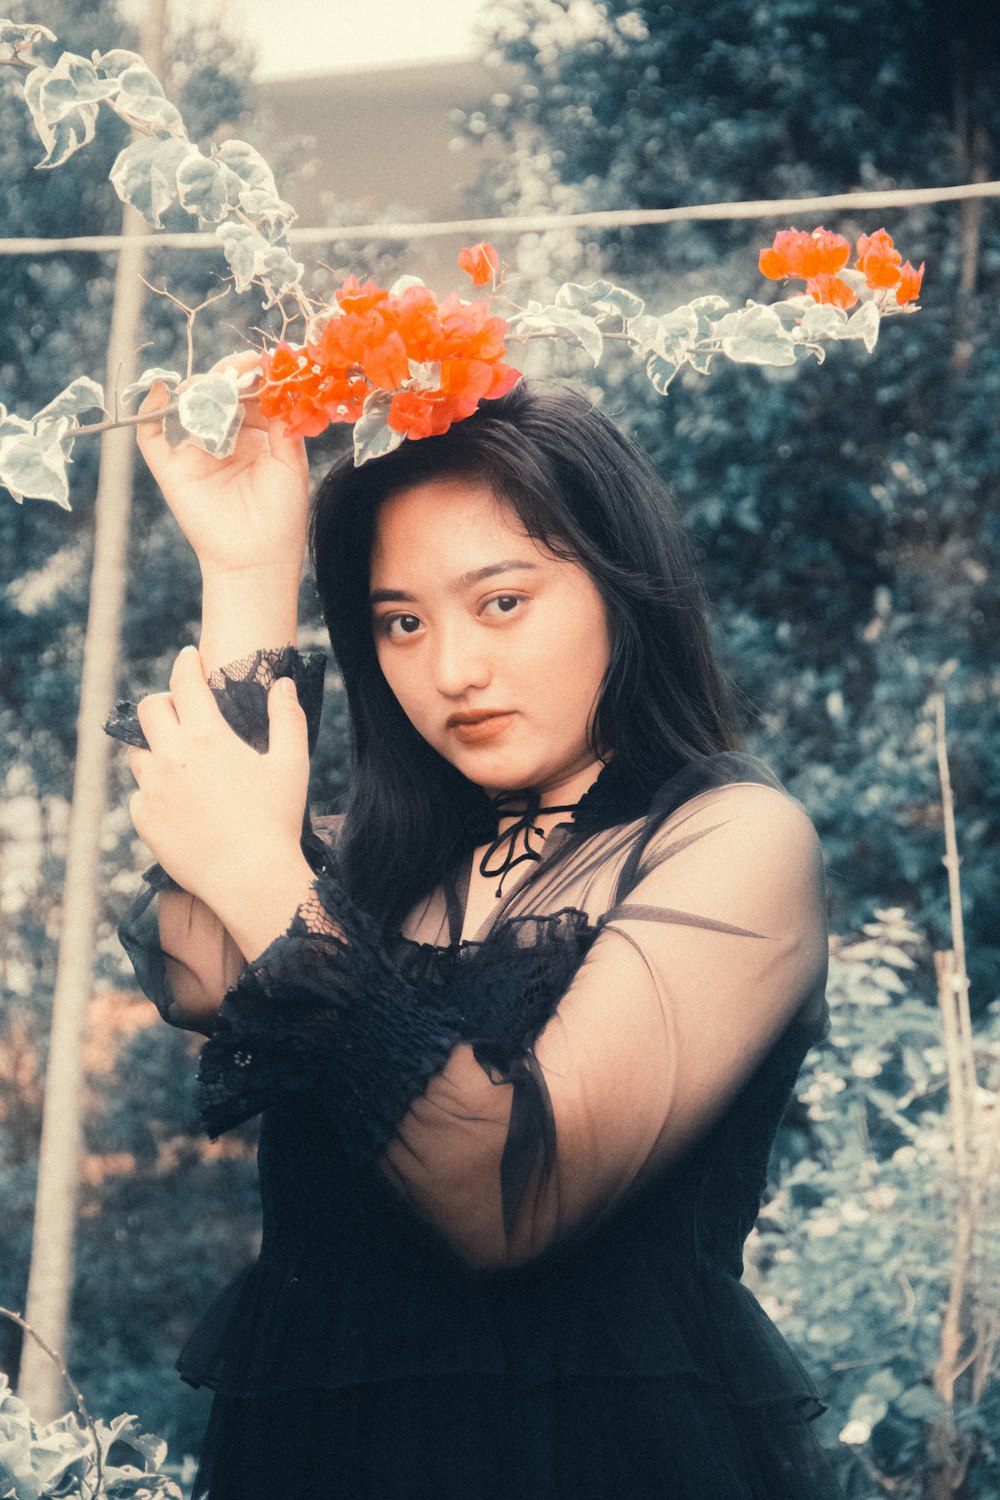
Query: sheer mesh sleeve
pixel 184 958
pixel 716 949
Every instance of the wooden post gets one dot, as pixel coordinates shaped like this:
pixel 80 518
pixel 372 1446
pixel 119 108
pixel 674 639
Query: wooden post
pixel 50 1277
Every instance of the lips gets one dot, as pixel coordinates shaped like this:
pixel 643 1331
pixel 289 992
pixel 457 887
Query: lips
pixel 485 724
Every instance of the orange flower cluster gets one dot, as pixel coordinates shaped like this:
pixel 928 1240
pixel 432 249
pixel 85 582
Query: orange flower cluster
pixel 818 258
pixel 436 361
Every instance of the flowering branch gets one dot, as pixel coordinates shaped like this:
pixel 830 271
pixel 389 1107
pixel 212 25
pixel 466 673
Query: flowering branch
pixel 394 363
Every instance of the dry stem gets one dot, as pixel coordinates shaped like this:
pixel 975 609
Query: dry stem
pixel 81 1405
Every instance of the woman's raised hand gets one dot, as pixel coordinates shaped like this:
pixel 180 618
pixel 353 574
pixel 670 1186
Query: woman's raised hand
pixel 245 512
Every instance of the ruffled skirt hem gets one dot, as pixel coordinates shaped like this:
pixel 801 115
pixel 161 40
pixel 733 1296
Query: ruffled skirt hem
pixel 458 1437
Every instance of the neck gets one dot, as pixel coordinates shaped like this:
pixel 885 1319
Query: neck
pixel 560 792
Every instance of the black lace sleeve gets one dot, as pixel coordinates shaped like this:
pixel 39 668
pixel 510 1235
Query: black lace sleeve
pixel 240 688
pixel 325 1005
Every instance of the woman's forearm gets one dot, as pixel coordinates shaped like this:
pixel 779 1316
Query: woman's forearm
pixel 247 611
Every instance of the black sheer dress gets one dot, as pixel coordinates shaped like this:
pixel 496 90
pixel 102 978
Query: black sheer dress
pixel 507 1179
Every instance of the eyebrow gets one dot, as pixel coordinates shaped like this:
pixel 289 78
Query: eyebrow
pixel 399 596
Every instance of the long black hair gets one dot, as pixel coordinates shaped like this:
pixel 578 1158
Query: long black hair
pixel 581 489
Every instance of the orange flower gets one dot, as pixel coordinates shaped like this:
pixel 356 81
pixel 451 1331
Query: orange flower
pixel 421 414
pixel 795 252
pixel 908 286
pixel 481 262
pixel 356 297
pixel 386 364
pixel 416 318
pixel 879 259
pixel 825 288
pixel 289 392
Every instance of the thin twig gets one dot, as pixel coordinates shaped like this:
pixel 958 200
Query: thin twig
pixel 944 967
pixel 81 1405
pixel 190 313
pixel 140 417
pixel 952 863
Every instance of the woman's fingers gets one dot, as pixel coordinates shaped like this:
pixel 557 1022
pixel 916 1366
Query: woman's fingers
pixel 137 762
pixel 285 448
pixel 243 360
pixel 196 708
pixel 149 435
pixel 158 719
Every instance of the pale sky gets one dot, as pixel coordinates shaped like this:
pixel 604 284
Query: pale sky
pixel 314 36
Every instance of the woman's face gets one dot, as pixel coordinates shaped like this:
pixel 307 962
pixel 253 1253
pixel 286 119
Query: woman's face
pixel 495 648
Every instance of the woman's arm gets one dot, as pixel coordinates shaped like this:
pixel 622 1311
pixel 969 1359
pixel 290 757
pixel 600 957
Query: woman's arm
pixel 245 517
pixel 200 959
pixel 662 1025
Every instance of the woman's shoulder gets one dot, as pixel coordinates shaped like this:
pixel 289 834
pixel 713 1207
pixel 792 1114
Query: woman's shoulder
pixel 706 773
pixel 737 802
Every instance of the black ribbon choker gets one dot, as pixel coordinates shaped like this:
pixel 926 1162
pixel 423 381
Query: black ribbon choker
pixel 505 844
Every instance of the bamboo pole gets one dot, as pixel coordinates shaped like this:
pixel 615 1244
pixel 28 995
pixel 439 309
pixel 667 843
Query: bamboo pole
pixel 50 1277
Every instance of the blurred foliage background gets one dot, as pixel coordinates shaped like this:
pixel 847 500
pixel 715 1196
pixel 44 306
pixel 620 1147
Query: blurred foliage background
pixel 848 526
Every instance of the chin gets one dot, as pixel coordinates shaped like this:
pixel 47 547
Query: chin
pixel 495 774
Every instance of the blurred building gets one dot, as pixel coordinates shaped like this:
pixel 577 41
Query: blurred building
pixel 385 140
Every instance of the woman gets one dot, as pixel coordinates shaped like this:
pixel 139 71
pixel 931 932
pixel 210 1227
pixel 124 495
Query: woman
pixel 521 1027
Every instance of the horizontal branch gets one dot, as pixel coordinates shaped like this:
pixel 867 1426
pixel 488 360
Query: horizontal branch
pixel 619 218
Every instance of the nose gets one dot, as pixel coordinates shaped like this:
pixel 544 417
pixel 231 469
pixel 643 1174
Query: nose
pixel 461 660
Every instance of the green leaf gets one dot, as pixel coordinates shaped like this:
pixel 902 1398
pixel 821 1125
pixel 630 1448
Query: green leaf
pixel 116 62
pixel 16 39
pixel 10 424
pixel 248 164
pixel 17 1476
pixel 644 331
pixel 64 102
pixel 140 99
pixel 678 330
pixel 600 297
pixel 373 437
pixel 856 280
pixel 253 258
pixel 755 336
pixel 864 325
pixel 210 413
pixel 271 214
pixel 661 372
pixel 823 321
pixel 701 360
pixel 562 320
pixel 207 188
pixel 145 175
pixel 82 394
pixel 61 1456
pixel 148 378
pixel 33 465
pixel 709 304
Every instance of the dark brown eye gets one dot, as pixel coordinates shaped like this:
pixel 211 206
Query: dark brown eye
pixel 397 625
pixel 505 603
